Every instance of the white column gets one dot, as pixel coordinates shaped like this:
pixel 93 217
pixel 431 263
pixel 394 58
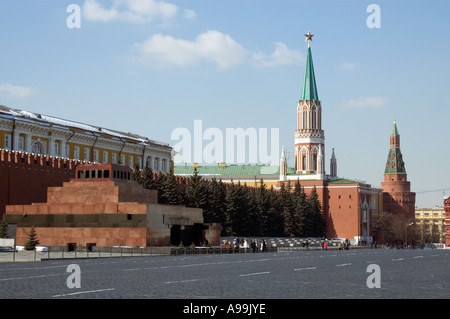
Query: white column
pixel 28 143
pixel 51 145
pixel 62 148
pixel 159 164
pixel 15 140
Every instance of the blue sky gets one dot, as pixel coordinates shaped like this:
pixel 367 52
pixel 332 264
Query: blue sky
pixel 150 67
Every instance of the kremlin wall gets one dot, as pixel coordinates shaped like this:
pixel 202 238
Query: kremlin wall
pixel 24 177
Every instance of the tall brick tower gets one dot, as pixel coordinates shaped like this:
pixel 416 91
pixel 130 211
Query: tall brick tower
pixel 309 136
pixel 397 196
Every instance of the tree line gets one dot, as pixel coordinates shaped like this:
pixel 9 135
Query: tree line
pixel 242 210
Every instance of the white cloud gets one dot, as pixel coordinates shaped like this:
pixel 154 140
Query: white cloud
pixel 365 102
pixel 15 90
pixel 212 46
pixel 189 13
pixel 138 11
pixel 346 66
pixel 282 55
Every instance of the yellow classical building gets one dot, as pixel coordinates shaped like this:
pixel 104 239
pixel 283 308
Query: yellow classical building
pixel 41 134
pixel 431 225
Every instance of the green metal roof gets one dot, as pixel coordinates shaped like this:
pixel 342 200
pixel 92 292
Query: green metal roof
pixel 394 129
pixel 309 90
pixel 231 170
pixel 394 163
pixel 342 181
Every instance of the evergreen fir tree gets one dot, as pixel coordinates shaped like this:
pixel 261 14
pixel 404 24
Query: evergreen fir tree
pixel 32 240
pixel 287 210
pixel 317 224
pixel 275 221
pixel 263 205
pixel 146 178
pixel 240 214
pixel 231 210
pixel 196 192
pixel 160 182
pixel 137 176
pixel 3 230
pixel 300 209
pixel 216 202
pixel 250 216
pixel 170 194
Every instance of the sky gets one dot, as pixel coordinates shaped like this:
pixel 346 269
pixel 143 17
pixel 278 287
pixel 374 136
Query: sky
pixel 156 68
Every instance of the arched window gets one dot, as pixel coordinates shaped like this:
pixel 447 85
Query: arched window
pixel 313 120
pixel 303 162
pixel 38 148
pixel 305 119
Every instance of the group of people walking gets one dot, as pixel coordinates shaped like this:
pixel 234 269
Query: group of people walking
pixel 260 244
pixel 243 244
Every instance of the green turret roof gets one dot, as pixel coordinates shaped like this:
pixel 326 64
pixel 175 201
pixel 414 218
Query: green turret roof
pixel 395 164
pixel 394 129
pixel 309 90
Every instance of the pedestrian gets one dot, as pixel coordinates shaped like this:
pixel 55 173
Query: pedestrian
pixel 253 245
pixel 325 245
pixel 264 246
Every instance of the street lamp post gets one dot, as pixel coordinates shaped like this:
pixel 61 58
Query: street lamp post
pixel 406 234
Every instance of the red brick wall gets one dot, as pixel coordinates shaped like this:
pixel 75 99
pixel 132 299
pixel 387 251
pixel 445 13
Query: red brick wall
pixel 61 236
pixel 397 197
pixel 344 214
pixel 24 178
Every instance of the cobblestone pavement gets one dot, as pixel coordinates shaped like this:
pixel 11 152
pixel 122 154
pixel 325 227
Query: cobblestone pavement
pixel 282 275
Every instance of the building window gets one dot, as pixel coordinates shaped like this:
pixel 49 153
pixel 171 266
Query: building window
pixel 21 143
pixel 114 158
pixel 38 148
pixel 313 121
pixel 305 119
pixel 7 142
pixel 105 157
pixel 130 161
pixel 122 159
pixel 96 156
pixel 76 152
pixel 56 148
pixel 86 154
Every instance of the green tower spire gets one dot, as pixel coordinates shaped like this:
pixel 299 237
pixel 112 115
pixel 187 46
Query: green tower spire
pixel 395 164
pixel 309 90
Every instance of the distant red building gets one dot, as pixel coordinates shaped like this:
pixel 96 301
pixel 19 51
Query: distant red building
pixel 447 220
